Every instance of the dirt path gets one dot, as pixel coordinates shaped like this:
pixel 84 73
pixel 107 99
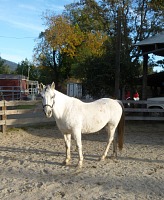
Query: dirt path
pixel 31 166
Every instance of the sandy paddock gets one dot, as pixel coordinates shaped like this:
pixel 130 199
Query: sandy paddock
pixel 31 165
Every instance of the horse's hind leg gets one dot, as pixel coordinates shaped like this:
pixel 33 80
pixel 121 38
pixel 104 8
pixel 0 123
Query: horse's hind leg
pixel 77 137
pixel 67 139
pixel 114 155
pixel 111 131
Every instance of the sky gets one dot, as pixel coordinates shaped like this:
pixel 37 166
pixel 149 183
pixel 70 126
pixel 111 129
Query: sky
pixel 20 24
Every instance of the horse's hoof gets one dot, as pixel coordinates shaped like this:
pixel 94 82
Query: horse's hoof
pixel 102 158
pixel 80 164
pixel 66 162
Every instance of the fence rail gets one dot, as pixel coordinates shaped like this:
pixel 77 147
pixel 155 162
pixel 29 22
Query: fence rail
pixel 14 113
pixel 138 110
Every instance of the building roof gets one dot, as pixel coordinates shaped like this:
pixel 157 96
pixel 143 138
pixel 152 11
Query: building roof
pixel 156 39
pixel 12 76
pixel 154 44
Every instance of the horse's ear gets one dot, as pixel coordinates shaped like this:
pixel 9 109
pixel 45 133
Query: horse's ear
pixel 53 86
pixel 41 86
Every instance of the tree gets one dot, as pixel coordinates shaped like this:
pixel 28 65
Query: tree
pixel 67 44
pixel 4 69
pixel 157 5
pixel 87 14
pixel 46 61
pixel 66 38
pixel 62 36
pixel 52 65
pixel 103 18
pixel 28 69
pixel 147 21
pixel 138 21
pixel 82 41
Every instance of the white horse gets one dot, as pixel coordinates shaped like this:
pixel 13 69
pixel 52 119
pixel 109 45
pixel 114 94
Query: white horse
pixel 74 117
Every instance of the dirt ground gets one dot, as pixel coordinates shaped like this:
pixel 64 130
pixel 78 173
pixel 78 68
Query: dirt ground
pixel 31 165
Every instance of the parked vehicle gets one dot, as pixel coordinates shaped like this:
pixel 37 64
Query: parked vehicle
pixel 156 103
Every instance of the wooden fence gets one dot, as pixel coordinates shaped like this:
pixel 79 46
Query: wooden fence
pixel 138 110
pixel 14 113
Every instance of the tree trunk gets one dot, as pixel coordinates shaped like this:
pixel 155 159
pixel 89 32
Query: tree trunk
pixel 56 79
pixel 118 48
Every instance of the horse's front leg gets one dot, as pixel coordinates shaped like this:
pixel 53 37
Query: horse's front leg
pixel 77 137
pixel 67 139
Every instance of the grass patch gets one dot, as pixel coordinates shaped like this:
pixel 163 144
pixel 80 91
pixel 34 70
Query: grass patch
pixel 25 106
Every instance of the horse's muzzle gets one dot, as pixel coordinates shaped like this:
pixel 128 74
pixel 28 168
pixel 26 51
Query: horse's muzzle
pixel 47 112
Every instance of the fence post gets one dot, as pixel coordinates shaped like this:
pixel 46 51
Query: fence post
pixel 4 117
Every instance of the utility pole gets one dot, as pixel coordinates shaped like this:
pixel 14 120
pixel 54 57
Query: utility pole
pixel 28 73
pixel 118 49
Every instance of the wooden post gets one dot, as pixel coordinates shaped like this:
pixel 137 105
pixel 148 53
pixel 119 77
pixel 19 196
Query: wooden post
pixel 4 117
pixel 144 81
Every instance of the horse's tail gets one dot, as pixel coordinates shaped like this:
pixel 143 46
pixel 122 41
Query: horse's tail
pixel 121 127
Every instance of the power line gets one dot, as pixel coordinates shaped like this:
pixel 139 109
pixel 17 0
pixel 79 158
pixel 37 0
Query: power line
pixel 17 38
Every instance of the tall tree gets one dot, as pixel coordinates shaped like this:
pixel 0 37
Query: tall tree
pixel 62 36
pixel 47 60
pixel 28 69
pixel 4 69
pixel 68 44
pixel 87 14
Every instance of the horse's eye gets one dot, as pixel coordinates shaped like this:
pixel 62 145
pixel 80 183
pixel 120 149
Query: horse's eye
pixel 52 96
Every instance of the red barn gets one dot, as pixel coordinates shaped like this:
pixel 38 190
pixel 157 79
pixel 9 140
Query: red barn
pixel 14 87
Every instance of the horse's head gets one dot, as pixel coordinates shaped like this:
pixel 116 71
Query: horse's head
pixel 47 94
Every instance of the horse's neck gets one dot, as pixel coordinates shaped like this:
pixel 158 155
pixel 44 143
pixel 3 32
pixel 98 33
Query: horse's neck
pixel 60 96
pixel 61 101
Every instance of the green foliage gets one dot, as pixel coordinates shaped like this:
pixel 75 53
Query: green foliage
pixel 27 69
pixel 49 61
pixel 87 14
pixel 62 36
pixel 62 44
pixel 99 80
pixel 4 69
pixel 157 5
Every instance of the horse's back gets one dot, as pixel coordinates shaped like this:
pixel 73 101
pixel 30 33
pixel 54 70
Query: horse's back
pixel 99 113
